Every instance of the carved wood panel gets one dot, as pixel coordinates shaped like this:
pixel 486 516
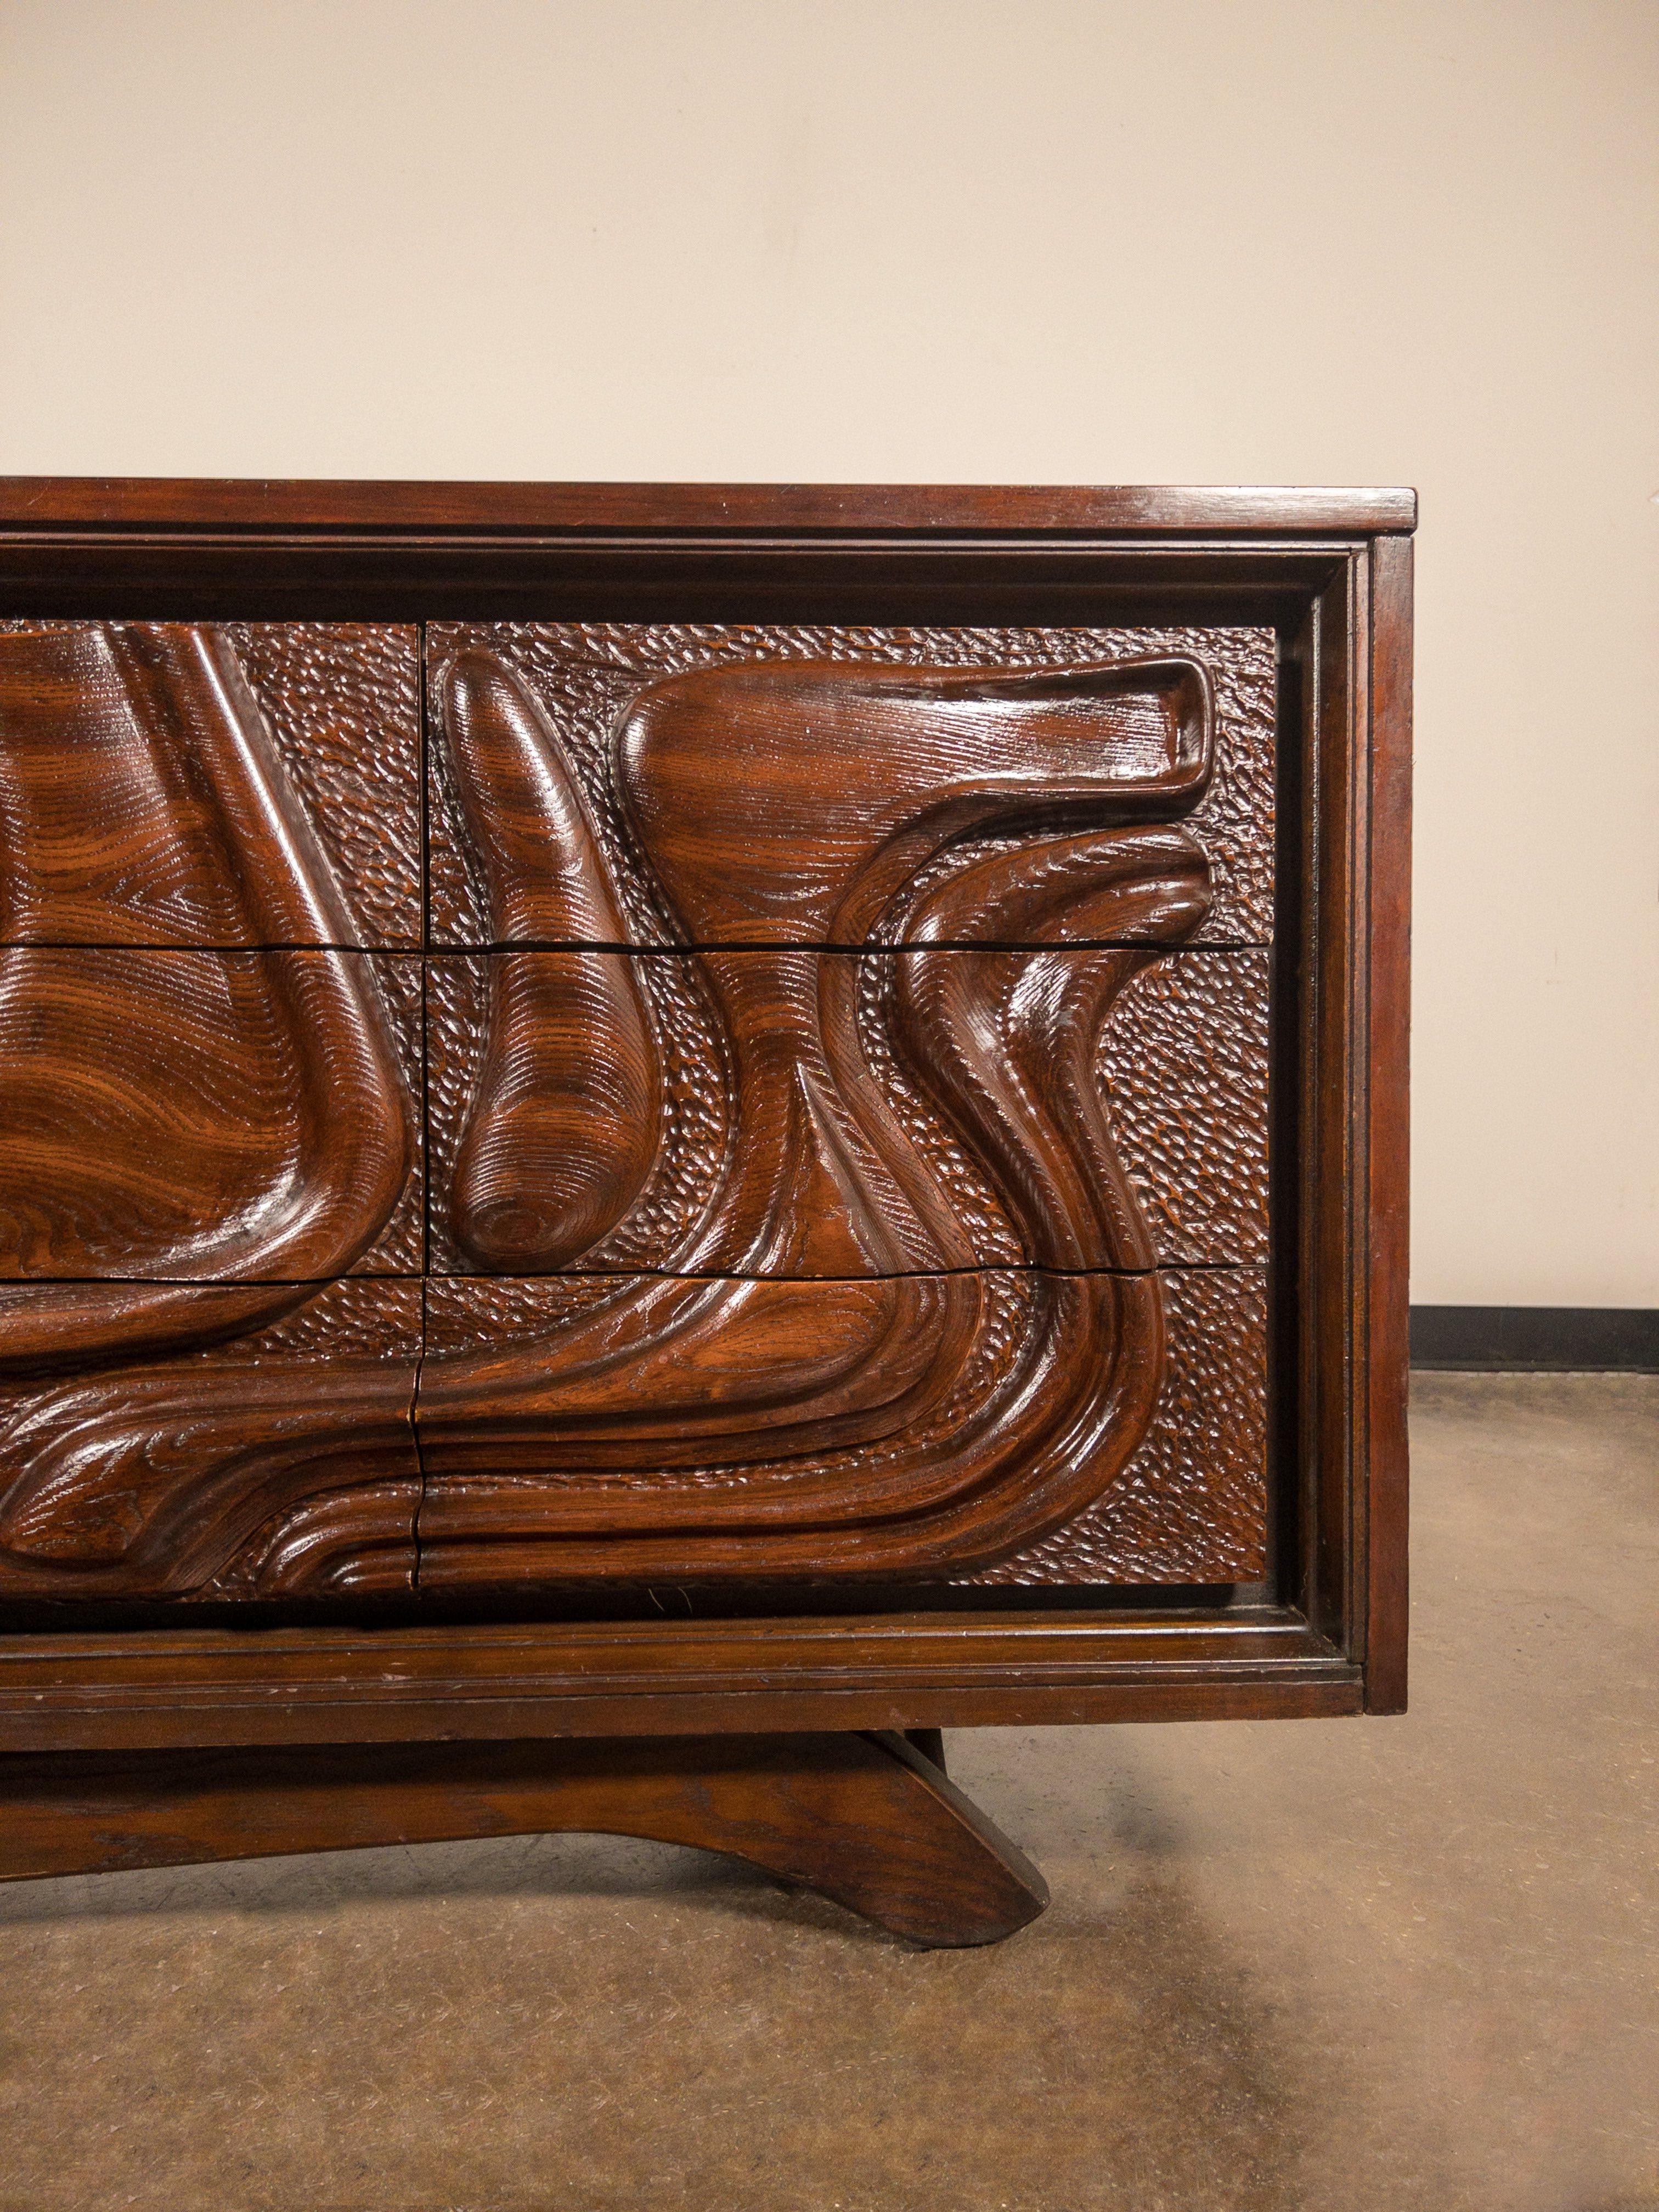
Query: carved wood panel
pixel 247 784
pixel 208 1116
pixel 743 785
pixel 277 1461
pixel 745 1259
pixel 728 1430
pixel 834 1114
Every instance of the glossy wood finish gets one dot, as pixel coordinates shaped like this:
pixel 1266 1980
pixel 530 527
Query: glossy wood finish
pixel 852 1393
pixel 261 506
pixel 834 1085
pixel 869 1821
pixel 901 1426
pixel 791 803
pixel 1303 562
pixel 173 784
pixel 279 1463
pixel 750 784
pixel 197 1116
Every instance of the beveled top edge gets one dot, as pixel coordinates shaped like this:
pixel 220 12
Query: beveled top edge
pixel 256 504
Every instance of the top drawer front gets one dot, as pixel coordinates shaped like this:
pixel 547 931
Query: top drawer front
pixel 649 784
pixel 233 786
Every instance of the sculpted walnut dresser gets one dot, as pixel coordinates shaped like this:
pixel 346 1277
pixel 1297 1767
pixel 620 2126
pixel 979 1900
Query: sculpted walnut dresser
pixel 654 1140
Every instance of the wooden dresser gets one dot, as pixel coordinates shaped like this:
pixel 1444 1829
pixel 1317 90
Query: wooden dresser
pixel 654 1140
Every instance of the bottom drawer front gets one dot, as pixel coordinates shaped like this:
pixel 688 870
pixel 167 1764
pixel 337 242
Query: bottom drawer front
pixel 1190 1505
pixel 1003 1425
pixel 1032 1426
pixel 281 1465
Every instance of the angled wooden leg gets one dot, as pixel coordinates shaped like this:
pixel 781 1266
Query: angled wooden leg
pixel 865 1819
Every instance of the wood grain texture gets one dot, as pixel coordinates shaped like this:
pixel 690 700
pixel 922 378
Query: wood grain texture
pixel 280 1464
pixel 692 1115
pixel 828 1401
pixel 584 1427
pixel 241 1119
pixel 865 1819
pixel 761 784
pixel 561 1126
pixel 688 1428
pixel 275 507
pixel 989 1665
pixel 175 784
pixel 820 1377
pixel 342 700
pixel 815 1118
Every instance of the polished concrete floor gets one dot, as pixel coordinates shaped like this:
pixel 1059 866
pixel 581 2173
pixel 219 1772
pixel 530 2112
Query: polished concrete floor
pixel 1341 1965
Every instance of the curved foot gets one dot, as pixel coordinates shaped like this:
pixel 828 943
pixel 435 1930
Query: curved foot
pixel 865 1819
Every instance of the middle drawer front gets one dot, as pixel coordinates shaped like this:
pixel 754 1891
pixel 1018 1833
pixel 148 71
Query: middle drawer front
pixel 791 1113
pixel 174 1115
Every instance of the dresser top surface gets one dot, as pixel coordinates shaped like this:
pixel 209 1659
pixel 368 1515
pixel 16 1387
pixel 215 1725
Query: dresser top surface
pixel 47 503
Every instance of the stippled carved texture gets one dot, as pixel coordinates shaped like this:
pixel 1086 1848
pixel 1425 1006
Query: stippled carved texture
pixel 585 676
pixel 1182 1064
pixel 517 1314
pixel 349 1319
pixel 1191 1504
pixel 343 702
pixel 1181 1067
pixel 696 1108
pixel 826 1373
pixel 966 1188
pixel 492 1313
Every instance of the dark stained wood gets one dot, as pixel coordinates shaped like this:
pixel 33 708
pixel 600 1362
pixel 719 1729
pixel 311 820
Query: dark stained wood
pixel 791 802
pixel 903 1425
pixel 263 506
pixel 176 784
pixel 849 1114
pixel 1191 1504
pixel 666 1675
pixel 801 784
pixel 1387 981
pixel 280 1464
pixel 1333 1098
pixel 671 1429
pixel 191 1116
pixel 868 1821
pixel 951 562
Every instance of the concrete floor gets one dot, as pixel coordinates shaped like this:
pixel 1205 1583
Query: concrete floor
pixel 1346 1964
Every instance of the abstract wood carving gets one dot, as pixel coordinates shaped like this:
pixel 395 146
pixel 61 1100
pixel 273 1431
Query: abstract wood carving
pixel 830 1108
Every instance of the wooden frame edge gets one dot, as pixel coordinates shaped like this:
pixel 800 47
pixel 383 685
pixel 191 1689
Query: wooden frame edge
pixel 259 505
pixel 1387 954
pixel 224 1687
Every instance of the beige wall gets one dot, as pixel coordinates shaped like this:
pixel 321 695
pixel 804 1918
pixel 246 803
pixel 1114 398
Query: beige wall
pixel 1306 241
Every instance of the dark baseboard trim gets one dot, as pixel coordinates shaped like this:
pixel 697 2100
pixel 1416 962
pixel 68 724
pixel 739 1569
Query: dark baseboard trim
pixel 1596 1339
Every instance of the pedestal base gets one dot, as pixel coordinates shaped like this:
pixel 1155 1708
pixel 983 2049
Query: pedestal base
pixel 869 1821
